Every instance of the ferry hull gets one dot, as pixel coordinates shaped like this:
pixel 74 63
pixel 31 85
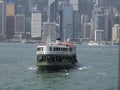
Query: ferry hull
pixel 56 65
pixel 49 67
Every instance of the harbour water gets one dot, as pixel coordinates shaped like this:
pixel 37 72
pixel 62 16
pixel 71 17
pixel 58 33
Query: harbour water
pixel 96 69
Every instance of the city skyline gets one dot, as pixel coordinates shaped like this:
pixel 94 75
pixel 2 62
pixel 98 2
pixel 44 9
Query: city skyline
pixel 74 22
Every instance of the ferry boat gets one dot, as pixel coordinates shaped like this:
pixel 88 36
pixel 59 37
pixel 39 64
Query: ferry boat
pixel 56 56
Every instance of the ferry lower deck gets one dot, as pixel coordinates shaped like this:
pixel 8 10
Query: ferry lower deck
pixel 54 62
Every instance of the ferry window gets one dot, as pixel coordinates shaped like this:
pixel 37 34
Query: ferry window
pixel 42 48
pixel 59 49
pixel 53 49
pixel 70 49
pixel 65 49
pixel 50 48
pixel 38 49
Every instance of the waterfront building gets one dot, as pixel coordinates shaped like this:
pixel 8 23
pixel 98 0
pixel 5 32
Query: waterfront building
pixel 76 21
pixel 115 32
pixel 10 27
pixel 74 4
pixel 36 24
pixel 99 35
pixel 87 33
pixel 2 20
pixel 19 26
pixel 112 12
pixel 101 21
pixel 76 25
pixel 106 24
pixel 49 32
pixel 10 12
pixel 84 19
pixel 67 19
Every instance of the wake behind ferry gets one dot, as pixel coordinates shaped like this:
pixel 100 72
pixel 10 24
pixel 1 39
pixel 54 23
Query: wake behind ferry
pixel 56 56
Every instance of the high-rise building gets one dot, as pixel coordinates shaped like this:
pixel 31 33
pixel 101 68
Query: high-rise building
pixel 54 10
pixel 67 22
pixel 107 25
pixel 101 21
pixel 2 20
pixel 74 4
pixel 36 24
pixel 23 7
pixel 19 26
pixel 115 32
pixel 84 20
pixel 111 21
pixel 76 25
pixel 85 7
pixel 76 20
pixel 99 35
pixel 117 19
pixel 10 12
pixel 10 27
pixel 49 32
pixel 87 31
pixel 10 9
pixel 29 5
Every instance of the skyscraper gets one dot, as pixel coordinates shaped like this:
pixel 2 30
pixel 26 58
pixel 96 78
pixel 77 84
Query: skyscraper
pixel 10 12
pixel 87 31
pixel 115 32
pixel 107 24
pixel 19 26
pixel 85 7
pixel 76 25
pixel 101 22
pixel 74 4
pixel 36 24
pixel 10 9
pixel 67 19
pixel 84 20
pixel 2 20
pixel 49 32
pixel 76 20
pixel 54 10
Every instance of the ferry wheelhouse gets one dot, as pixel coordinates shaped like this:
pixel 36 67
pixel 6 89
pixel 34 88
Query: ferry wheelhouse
pixel 55 56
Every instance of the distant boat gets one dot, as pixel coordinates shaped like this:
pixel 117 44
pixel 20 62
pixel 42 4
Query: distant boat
pixel 92 43
pixel 56 56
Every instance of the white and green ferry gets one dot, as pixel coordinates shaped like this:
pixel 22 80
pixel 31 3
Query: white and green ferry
pixel 56 56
